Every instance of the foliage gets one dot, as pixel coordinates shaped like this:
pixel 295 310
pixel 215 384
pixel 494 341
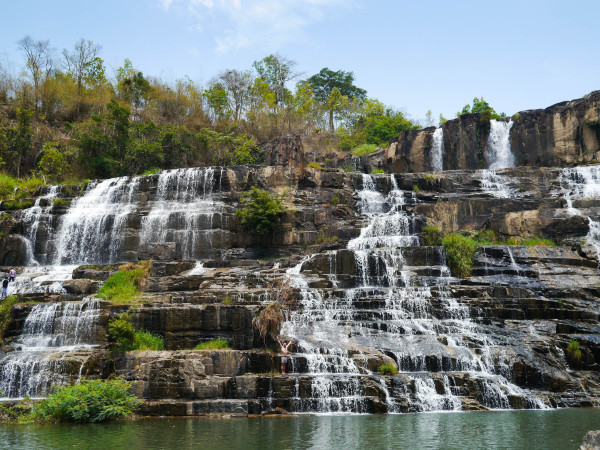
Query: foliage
pixel 480 106
pixel 573 353
pixel 5 308
pixel 531 242
pixel 388 369
pixel 59 203
pixel 216 344
pixel 431 236
pixel 122 331
pixel 144 340
pixel 15 188
pixel 88 401
pixel 269 321
pixel 261 212
pixel 460 252
pixel 314 165
pixel 127 282
pixel 364 149
pixel 376 171
pixel 150 171
pixel 53 164
pixel 416 188
pixel 485 237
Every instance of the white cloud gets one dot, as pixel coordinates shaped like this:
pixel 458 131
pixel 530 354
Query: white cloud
pixel 239 24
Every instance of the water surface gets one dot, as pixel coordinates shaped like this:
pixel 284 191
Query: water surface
pixel 556 429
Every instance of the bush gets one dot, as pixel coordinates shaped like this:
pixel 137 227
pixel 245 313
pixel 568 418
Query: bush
pixel 11 188
pixel 314 165
pixel 574 353
pixel 144 340
pixel 364 149
pixel 431 236
pixel 88 401
pixel 388 369
pixel 531 242
pixel 268 322
pixel 216 344
pixel 485 237
pixel 151 171
pixel 376 171
pixel 460 252
pixel 127 282
pixel 262 211
pixel 122 331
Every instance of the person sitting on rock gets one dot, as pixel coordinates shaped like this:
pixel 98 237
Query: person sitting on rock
pixel 4 288
pixel 11 275
pixel 285 354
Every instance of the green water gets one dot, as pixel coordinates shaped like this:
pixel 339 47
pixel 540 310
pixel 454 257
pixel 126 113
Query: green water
pixel 486 430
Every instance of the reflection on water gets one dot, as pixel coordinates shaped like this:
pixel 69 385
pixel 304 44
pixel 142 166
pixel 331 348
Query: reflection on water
pixel 490 430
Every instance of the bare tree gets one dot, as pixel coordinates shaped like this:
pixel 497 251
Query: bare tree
pixel 39 62
pixel 80 60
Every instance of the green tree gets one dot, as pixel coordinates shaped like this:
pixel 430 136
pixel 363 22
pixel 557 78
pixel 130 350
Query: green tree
pixel 81 61
pixel 132 86
pixel 217 100
pixel 324 83
pixel 480 106
pixel 261 212
pixel 53 164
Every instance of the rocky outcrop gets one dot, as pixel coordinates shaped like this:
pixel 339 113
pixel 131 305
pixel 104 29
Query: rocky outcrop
pixel 565 134
pixel 287 151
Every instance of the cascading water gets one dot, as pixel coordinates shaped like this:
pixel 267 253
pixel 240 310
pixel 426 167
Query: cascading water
pixel 498 156
pixel 582 183
pixel 437 150
pixel 184 211
pixel 399 307
pixel 46 352
pixel 90 230
pixel 34 216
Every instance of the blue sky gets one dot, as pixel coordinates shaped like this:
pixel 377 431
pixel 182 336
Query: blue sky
pixel 414 55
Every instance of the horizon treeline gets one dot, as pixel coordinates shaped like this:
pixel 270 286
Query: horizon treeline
pixel 65 118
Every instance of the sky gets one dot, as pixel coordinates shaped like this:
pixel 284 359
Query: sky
pixel 416 56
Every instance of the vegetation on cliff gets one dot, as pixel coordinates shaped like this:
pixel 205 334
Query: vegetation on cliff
pixel 126 338
pixel 68 118
pixel 261 212
pixel 127 282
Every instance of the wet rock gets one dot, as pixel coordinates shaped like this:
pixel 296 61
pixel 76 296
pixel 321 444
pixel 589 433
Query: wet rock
pixel 591 441
pixel 80 286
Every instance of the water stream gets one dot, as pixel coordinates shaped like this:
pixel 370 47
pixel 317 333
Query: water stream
pixel 400 307
pixel 46 352
pixel 437 151
pixel 498 156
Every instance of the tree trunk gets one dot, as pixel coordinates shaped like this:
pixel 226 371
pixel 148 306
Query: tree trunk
pixel 331 128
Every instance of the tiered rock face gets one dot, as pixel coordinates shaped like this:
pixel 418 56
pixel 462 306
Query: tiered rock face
pixel 562 135
pixel 519 311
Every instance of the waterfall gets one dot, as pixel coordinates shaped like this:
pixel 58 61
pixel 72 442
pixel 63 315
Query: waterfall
pixel 437 150
pixel 184 211
pixel 46 352
pixel 498 156
pixel 90 230
pixel 581 183
pixel 32 217
pixel 391 311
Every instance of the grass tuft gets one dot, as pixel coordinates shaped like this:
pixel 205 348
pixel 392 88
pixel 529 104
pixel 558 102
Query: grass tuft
pixel 216 344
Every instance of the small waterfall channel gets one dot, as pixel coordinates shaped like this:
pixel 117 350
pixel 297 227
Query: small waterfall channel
pixel 51 349
pixel 397 306
pixel 578 185
pixel 498 156
pixel 437 150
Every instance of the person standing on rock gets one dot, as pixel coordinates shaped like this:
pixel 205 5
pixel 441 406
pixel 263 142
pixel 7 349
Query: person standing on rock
pixel 4 288
pixel 11 275
pixel 284 354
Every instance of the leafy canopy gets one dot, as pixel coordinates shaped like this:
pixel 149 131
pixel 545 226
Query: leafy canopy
pixel 262 211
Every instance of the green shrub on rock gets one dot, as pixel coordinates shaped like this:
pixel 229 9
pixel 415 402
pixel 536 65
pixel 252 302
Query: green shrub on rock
pixel 388 369
pixel 431 236
pixel 88 401
pixel 261 212
pixel 574 353
pixel 216 344
pixel 460 252
pixel 123 333
pixel 127 282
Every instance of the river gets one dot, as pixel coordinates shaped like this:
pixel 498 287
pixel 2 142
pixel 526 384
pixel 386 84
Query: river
pixel 556 429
